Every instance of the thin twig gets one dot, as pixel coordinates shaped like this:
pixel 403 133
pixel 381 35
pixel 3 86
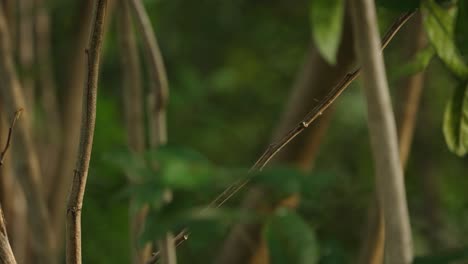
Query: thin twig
pixel 273 149
pixel 6 254
pixel 75 201
pixel 10 132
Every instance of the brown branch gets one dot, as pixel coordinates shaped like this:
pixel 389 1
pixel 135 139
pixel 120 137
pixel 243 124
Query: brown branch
pixel 383 136
pixel 10 132
pixel 273 149
pixel 314 80
pixel 6 254
pixel 159 92
pixel 75 201
pixel 12 98
pixel 134 119
pixel 157 73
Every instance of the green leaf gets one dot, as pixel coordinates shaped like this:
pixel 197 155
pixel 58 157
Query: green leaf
pixel 455 125
pixel 326 17
pixel 290 239
pixel 454 256
pixel 439 23
pixel 461 28
pixel 418 63
pixel 280 181
pixel 182 168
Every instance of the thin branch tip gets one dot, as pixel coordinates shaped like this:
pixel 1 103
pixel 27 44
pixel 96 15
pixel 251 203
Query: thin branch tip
pixel 10 132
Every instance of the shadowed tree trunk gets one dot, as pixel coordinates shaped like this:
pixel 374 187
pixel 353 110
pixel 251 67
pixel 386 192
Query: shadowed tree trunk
pixel 313 81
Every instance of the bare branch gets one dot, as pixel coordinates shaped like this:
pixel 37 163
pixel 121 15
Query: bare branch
pixel 10 132
pixel 30 177
pixel 157 103
pixel 75 201
pixel 383 135
pixel 134 119
pixel 6 254
pixel 157 72
pixel 273 149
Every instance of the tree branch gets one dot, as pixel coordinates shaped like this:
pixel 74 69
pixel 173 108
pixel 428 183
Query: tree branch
pixel 383 136
pixel 12 98
pixel 134 119
pixel 157 103
pixel 157 72
pixel 10 132
pixel 75 201
pixel 6 254
pixel 273 149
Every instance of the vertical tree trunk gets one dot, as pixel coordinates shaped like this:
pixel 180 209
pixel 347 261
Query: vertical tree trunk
pixel 382 130
pixel 411 87
pixel 88 122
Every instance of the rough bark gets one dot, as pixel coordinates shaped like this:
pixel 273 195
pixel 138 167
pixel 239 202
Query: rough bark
pixel 88 122
pixel 312 82
pixel 28 169
pixel 382 130
pixel 411 87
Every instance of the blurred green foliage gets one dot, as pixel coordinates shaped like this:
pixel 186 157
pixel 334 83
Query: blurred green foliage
pixel 231 65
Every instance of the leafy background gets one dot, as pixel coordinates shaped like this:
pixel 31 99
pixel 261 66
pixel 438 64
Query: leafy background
pixel 231 65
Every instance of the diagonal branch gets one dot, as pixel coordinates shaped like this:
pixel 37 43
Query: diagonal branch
pixel 6 254
pixel 10 132
pixel 273 149
pixel 75 200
